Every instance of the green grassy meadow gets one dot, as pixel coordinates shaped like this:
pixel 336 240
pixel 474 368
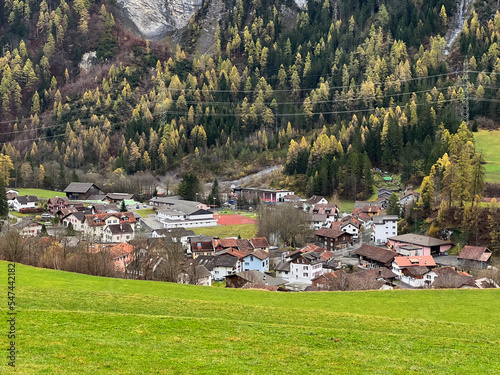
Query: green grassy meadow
pixel 69 323
pixel 144 212
pixel 347 206
pixel 41 193
pixel 488 142
pixel 224 231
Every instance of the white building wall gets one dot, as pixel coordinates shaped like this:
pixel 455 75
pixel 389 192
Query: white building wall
pixel 381 232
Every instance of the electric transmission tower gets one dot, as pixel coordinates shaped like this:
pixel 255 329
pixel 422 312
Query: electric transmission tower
pixel 465 88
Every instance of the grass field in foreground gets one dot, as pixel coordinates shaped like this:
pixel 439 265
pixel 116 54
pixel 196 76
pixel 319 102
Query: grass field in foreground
pixel 69 323
pixel 489 143
pixel 41 193
pixel 223 231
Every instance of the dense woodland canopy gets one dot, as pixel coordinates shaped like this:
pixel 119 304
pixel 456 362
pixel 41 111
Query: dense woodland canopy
pixel 331 91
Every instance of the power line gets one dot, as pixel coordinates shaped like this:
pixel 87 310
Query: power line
pixel 240 115
pixel 207 103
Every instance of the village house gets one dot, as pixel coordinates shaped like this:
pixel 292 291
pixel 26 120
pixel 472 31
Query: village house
pixel 11 193
pixel 409 250
pixel 24 203
pixel 120 254
pixel 258 194
pixel 385 192
pixel 449 277
pixel 304 267
pixel 76 219
pixel 99 208
pixel 118 233
pixel 414 271
pixel 196 275
pixel 240 244
pixel 322 215
pixel 260 243
pixel 369 208
pixel 185 216
pixel 312 202
pixel 119 197
pixel 384 227
pixel 177 201
pixel 429 245
pixel 375 257
pixel 28 228
pixel 82 190
pixel 176 234
pixel 381 278
pixel 257 260
pixel 201 246
pixel 96 226
pixel 254 280
pixel 224 266
pixel 350 225
pixel 408 197
pixel 474 257
pixel 56 203
pixel 333 239
pixel 318 221
pixel 295 199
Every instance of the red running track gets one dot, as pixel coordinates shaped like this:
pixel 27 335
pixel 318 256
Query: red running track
pixel 234 219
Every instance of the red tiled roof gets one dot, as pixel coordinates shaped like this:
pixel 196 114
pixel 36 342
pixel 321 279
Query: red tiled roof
pixel 478 253
pixel 376 253
pixel 261 254
pixel 422 261
pixel 91 219
pixel 259 242
pixel 234 252
pixel 336 225
pixel 312 247
pixel 202 246
pixel 330 233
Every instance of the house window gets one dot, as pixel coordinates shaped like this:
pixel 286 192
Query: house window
pixel 305 268
pixel 306 274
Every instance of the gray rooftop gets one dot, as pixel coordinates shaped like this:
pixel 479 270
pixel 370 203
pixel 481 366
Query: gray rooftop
pixel 417 239
pixel 78 187
pixel 383 219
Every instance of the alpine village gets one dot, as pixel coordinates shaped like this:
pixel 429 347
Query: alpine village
pixel 339 160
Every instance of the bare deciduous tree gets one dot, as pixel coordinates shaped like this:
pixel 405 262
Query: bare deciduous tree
pixel 12 247
pixel 284 224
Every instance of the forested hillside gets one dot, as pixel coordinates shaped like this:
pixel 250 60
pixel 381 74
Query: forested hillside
pixel 344 87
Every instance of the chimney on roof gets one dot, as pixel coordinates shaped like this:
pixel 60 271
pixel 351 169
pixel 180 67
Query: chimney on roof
pixel 380 272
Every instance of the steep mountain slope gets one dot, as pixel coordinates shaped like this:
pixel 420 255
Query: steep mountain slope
pixel 344 87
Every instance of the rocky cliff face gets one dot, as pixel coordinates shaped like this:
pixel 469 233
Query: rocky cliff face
pixel 155 18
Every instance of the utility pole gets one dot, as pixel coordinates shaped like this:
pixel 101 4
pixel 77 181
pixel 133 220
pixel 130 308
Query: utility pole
pixel 465 87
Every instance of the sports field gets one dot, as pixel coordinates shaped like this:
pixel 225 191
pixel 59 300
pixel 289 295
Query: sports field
pixel 234 219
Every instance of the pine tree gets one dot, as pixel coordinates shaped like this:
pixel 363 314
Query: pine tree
pixel 123 207
pixel 393 207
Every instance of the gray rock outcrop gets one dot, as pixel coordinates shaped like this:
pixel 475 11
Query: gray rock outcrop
pixel 156 18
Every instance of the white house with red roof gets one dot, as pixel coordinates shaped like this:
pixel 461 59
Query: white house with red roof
pixel 414 270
